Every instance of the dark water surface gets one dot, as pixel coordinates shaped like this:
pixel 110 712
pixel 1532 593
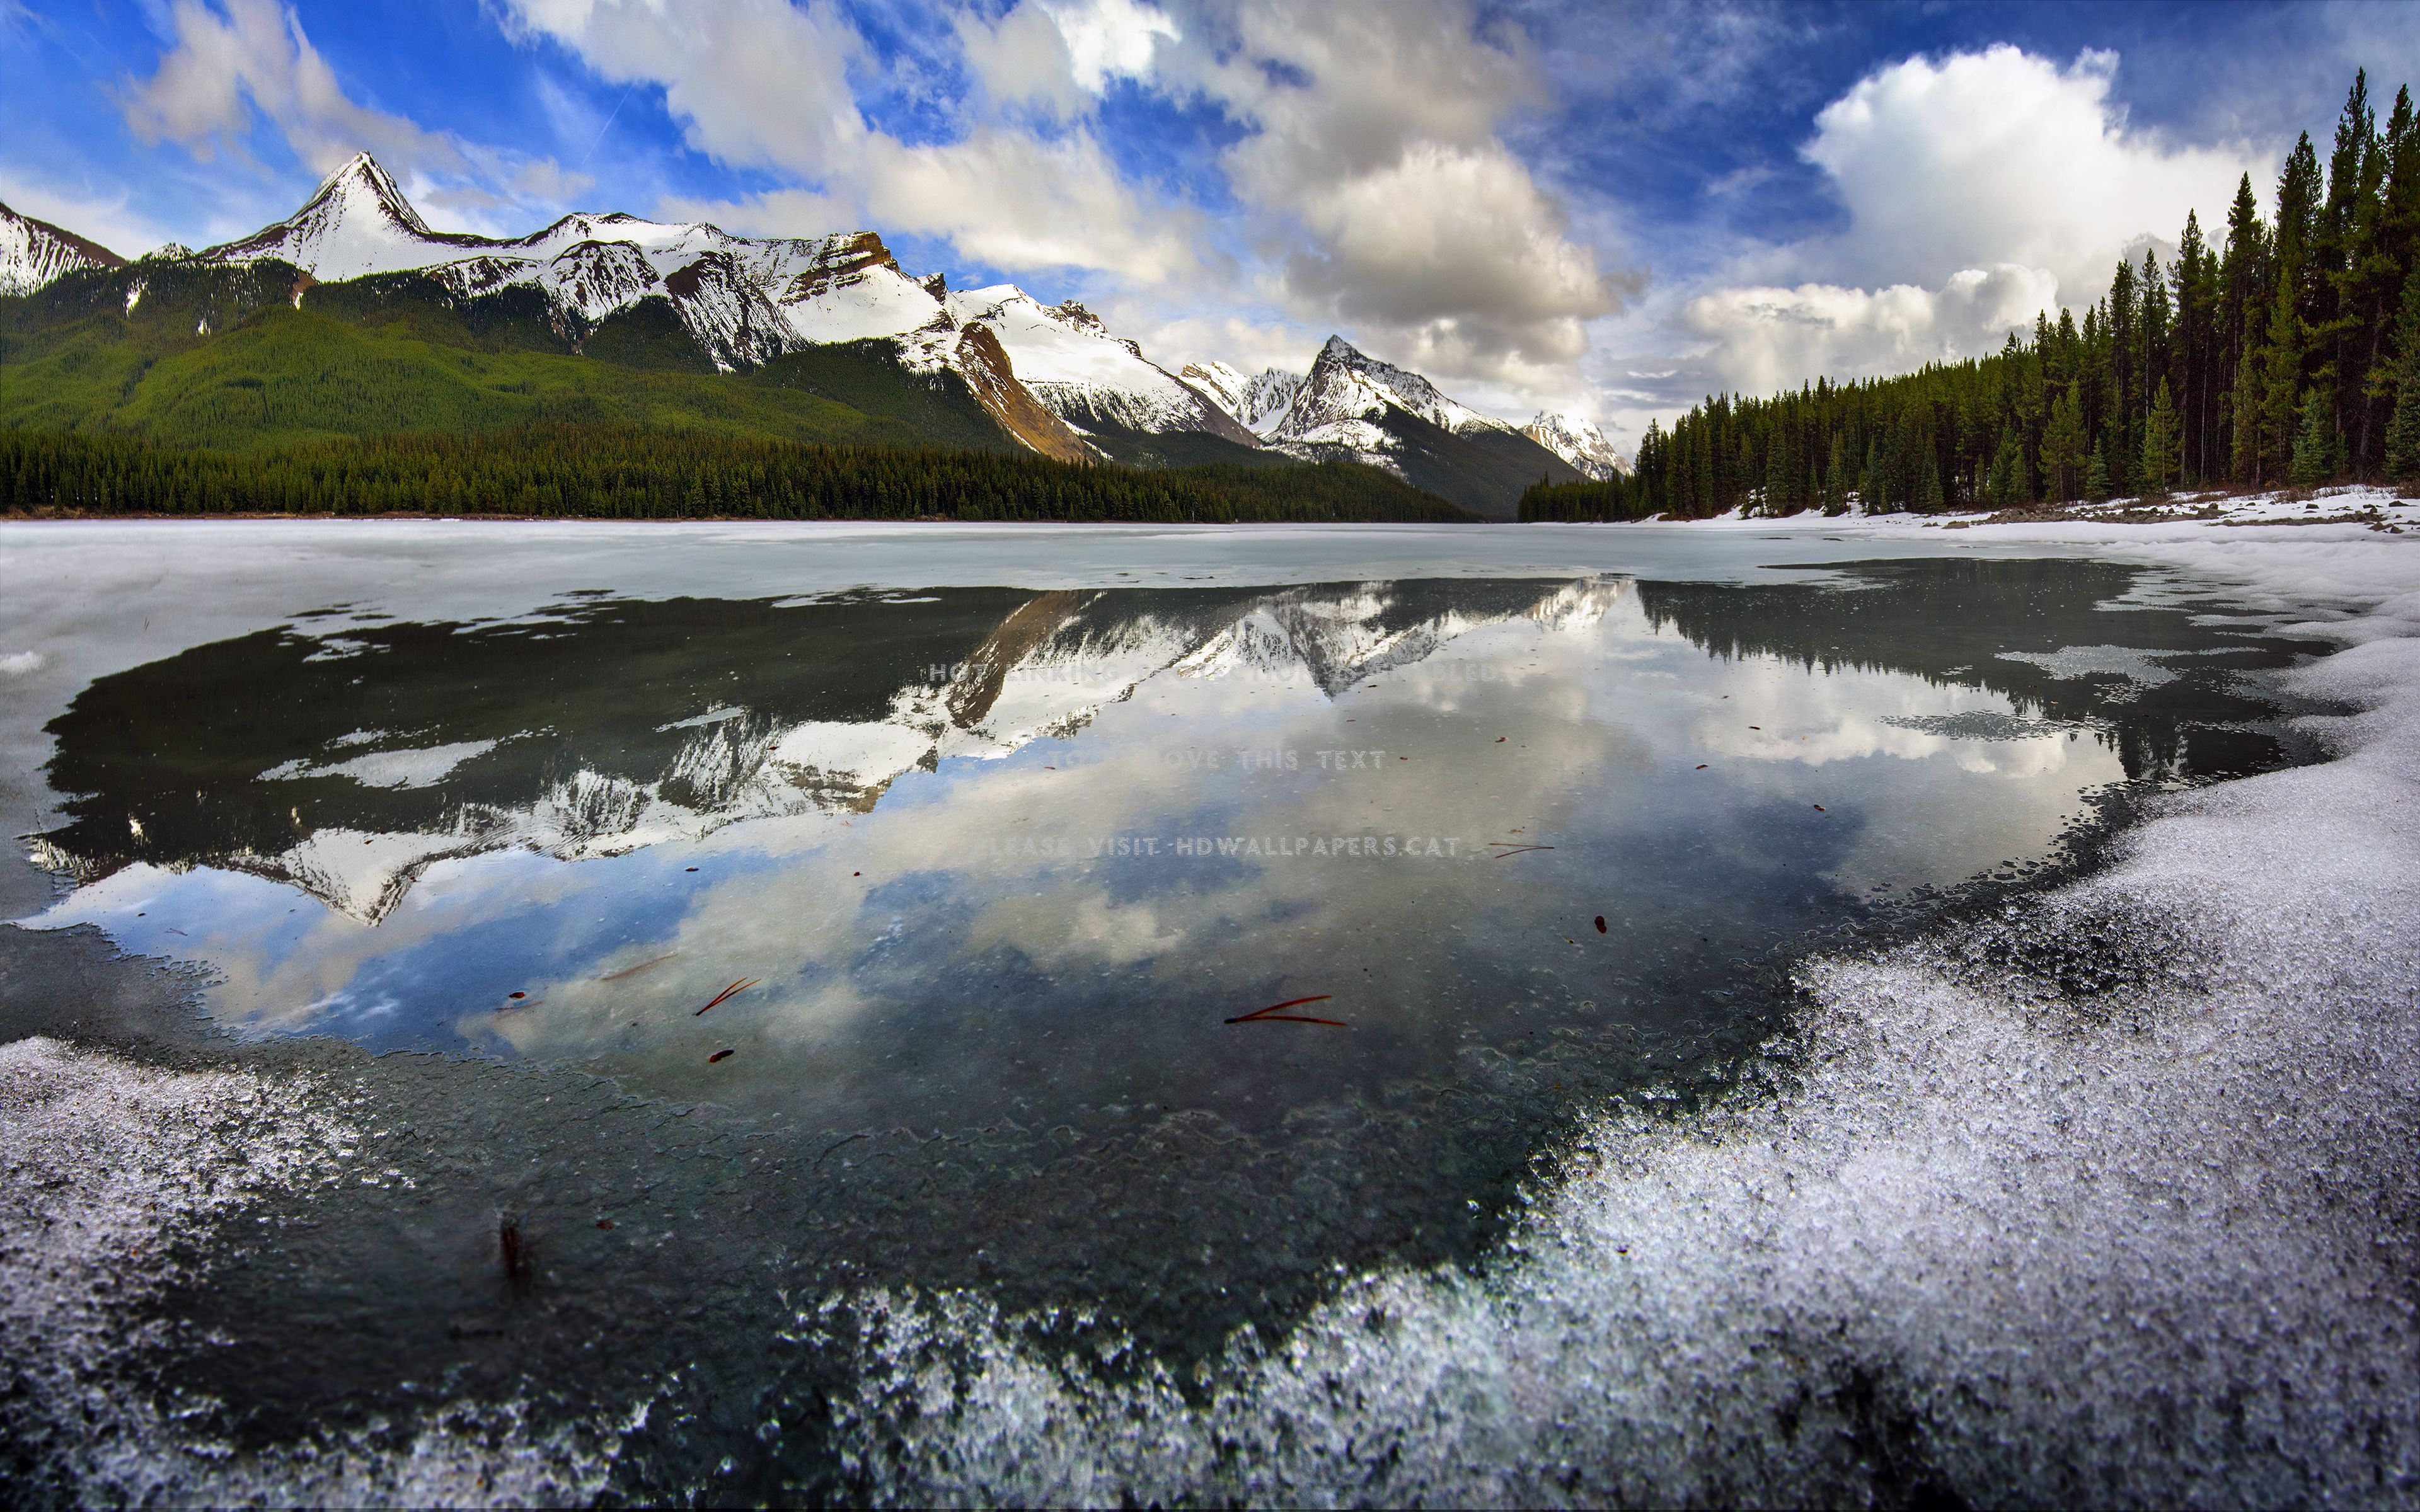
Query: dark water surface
pixel 1000 869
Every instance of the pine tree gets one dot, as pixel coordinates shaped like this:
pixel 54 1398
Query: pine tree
pixel 2247 447
pixel 2005 484
pixel 2314 446
pixel 2160 444
pixel 2096 476
pixel 2063 446
pixel 2403 430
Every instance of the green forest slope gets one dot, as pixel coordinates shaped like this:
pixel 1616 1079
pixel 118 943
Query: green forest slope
pixel 231 358
pixel 162 389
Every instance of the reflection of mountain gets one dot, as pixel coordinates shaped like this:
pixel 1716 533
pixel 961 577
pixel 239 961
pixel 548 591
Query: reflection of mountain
pixel 347 764
pixel 2023 629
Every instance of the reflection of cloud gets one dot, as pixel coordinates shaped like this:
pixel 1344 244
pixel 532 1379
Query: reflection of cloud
pixel 862 916
pixel 1096 932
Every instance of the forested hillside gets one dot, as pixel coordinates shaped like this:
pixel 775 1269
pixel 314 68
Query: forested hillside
pixel 2283 349
pixel 599 472
pixel 257 355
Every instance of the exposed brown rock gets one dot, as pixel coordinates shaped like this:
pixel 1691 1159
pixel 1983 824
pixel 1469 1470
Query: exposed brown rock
pixel 984 363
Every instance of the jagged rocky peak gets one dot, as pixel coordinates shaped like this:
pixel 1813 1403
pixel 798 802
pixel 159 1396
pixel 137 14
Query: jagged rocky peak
pixel 1576 441
pixel 1266 396
pixel 1344 374
pixel 1253 401
pixel 33 252
pixel 361 187
pixel 358 220
pixel 1082 319
pixel 1219 383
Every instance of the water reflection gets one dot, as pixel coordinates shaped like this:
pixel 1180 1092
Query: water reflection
pixel 984 854
pixel 1002 865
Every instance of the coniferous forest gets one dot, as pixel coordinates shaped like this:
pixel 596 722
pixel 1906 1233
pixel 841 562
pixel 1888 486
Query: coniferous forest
pixel 620 474
pixel 2281 349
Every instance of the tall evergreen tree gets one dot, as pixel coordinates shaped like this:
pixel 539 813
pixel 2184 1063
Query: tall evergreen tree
pixel 2160 444
pixel 2064 446
pixel 2315 444
pixel 2403 428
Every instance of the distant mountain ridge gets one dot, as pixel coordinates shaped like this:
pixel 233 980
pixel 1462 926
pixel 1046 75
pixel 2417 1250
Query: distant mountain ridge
pixel 1053 379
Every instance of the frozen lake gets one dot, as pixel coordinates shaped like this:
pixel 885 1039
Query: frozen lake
pixel 746 971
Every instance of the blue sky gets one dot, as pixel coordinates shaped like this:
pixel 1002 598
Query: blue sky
pixel 1602 209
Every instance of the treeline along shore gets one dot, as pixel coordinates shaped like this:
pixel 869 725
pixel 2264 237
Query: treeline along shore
pixel 2285 354
pixel 575 471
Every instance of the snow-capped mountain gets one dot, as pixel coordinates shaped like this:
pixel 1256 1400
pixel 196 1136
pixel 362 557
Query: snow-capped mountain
pixel 33 252
pixel 1346 388
pixel 1219 383
pixel 1267 397
pixel 1054 377
pixel 1041 370
pixel 1578 442
pixel 1352 404
pixel 1089 377
pixel 1256 401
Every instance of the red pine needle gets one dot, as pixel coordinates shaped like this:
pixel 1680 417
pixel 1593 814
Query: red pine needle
pixel 1271 1015
pixel 727 994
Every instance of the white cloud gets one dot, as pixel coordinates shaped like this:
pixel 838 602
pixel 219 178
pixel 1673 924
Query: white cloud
pixel 1022 60
pixel 245 55
pixel 1389 201
pixel 1766 338
pixel 231 59
pixel 1013 200
pixel 1108 39
pixel 764 83
pixel 759 84
pixel 1998 157
pixel 1978 189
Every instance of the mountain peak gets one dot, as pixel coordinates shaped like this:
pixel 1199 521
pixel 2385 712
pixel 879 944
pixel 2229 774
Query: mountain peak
pixel 362 181
pixel 1576 441
pixel 32 253
pixel 1347 379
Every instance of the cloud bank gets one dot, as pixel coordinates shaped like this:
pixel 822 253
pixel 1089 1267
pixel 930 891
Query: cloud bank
pixel 1976 190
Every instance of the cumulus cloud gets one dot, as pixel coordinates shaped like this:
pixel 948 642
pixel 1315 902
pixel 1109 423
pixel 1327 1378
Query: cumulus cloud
pixel 232 60
pixel 1022 60
pixel 1978 189
pixel 1377 194
pixel 1766 338
pixel 759 84
pixel 2000 156
pixel 764 83
pixel 1108 39
pixel 1391 200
